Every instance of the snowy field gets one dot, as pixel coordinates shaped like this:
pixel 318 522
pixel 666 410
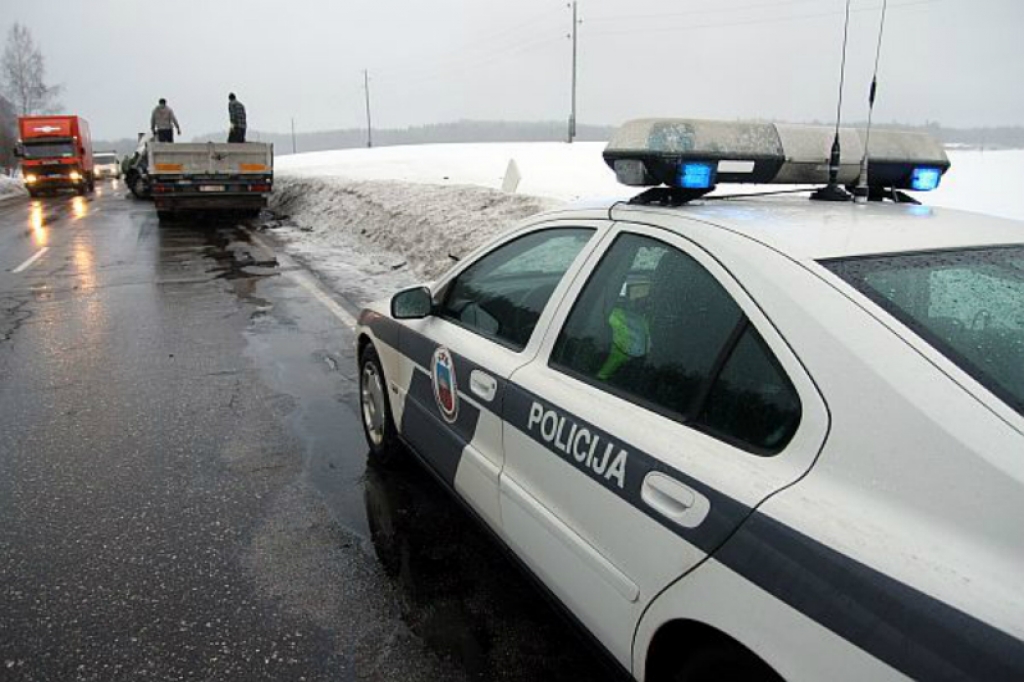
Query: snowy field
pixel 11 187
pixel 370 221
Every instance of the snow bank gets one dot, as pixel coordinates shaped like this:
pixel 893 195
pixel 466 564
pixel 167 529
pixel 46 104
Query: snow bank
pixel 374 220
pixel 372 237
pixel 11 187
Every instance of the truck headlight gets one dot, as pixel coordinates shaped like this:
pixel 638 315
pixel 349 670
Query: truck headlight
pixel 75 176
pixel 30 179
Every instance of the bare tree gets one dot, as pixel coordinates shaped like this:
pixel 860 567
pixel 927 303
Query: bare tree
pixel 23 74
pixel 8 135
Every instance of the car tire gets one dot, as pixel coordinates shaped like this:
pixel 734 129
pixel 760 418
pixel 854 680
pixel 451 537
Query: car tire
pixel 724 663
pixel 375 409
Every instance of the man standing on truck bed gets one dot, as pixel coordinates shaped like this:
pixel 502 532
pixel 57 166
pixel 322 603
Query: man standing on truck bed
pixel 236 112
pixel 163 121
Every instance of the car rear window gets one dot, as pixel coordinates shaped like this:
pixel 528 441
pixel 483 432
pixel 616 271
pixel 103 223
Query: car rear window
pixel 968 304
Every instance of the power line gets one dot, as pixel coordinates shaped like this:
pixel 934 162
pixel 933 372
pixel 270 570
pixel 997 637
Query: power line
pixel 487 43
pixel 474 66
pixel 754 22
pixel 702 10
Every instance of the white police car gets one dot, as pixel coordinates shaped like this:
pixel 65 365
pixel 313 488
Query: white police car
pixel 739 437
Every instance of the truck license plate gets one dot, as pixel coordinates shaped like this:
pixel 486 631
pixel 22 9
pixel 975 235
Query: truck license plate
pixel 211 188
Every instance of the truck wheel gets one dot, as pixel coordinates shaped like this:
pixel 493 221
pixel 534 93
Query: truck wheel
pixel 33 193
pixel 165 216
pixel 80 190
pixel 375 409
pixel 137 186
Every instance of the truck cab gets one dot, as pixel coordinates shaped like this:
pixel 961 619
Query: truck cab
pixel 56 153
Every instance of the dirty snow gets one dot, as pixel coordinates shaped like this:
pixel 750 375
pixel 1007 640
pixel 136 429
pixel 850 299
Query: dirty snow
pixel 11 187
pixel 370 221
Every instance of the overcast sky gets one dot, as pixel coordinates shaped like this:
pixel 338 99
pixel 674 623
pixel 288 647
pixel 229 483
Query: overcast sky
pixel 958 62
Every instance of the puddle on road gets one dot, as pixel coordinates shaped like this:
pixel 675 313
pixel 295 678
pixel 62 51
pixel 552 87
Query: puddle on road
pixel 190 248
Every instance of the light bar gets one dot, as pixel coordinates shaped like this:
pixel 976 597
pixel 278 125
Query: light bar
pixel 686 153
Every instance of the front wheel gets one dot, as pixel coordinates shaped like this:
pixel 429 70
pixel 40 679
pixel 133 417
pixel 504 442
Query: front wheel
pixel 375 409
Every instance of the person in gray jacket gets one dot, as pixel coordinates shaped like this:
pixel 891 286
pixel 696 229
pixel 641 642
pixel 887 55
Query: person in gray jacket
pixel 163 121
pixel 236 113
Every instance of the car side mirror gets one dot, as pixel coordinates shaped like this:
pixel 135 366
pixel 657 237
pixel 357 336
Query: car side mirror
pixel 412 304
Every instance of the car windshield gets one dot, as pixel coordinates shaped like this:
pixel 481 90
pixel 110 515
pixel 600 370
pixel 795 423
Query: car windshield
pixel 106 158
pixel 48 150
pixel 969 304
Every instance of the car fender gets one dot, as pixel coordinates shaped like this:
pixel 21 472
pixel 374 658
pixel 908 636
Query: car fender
pixel 715 596
pixel 376 326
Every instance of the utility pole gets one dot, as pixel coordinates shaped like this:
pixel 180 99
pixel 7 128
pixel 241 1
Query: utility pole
pixel 293 135
pixel 572 115
pixel 369 124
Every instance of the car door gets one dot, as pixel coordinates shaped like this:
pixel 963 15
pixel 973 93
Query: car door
pixel 457 360
pixel 660 409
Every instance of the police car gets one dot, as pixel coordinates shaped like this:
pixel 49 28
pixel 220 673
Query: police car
pixel 738 437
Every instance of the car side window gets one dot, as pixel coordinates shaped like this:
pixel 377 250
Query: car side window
pixel 502 295
pixel 654 327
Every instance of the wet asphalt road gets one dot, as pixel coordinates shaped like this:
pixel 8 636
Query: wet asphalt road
pixel 183 481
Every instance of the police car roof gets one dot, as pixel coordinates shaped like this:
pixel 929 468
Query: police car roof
pixel 813 230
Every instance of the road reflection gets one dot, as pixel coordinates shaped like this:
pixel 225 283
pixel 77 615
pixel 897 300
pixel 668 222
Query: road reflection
pixel 461 595
pixel 36 223
pixel 79 208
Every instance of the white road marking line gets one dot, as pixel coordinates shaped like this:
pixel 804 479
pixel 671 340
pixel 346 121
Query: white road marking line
pixel 309 284
pixel 27 264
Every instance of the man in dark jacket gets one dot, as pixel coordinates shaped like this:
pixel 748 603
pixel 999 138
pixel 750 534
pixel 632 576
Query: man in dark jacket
pixel 163 121
pixel 236 112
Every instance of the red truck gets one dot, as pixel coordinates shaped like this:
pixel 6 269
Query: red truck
pixel 56 153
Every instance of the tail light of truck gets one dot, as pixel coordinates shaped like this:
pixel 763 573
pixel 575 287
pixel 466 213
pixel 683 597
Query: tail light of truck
pixel 259 188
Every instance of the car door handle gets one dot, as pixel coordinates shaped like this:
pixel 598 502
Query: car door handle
pixel 677 502
pixel 483 385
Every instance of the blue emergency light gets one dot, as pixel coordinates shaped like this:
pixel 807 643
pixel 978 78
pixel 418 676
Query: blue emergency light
pixel 696 175
pixel 925 179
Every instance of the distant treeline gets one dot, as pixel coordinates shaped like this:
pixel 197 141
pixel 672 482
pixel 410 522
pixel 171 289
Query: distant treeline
pixel 514 131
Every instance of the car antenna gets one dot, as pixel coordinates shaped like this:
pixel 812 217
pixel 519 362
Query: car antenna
pixel 832 191
pixel 861 195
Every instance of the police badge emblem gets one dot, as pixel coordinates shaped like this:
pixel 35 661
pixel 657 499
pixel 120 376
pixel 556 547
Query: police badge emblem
pixel 446 391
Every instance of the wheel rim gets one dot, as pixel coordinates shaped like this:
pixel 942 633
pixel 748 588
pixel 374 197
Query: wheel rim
pixel 371 392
